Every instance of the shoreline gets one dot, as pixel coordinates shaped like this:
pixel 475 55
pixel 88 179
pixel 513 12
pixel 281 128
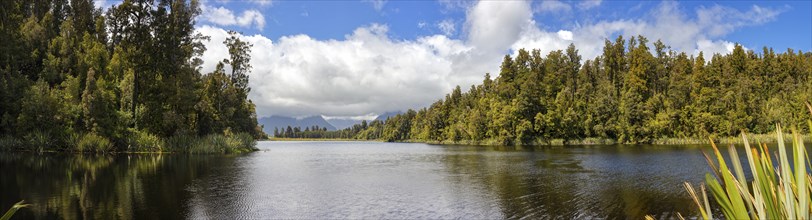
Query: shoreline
pixel 753 138
pixel 314 139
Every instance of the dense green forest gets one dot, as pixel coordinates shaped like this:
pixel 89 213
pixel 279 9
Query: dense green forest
pixel 76 78
pixel 631 93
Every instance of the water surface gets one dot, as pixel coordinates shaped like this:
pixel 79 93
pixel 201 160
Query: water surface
pixel 321 180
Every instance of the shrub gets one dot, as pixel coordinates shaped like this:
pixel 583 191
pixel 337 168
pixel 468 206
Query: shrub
pixel 38 140
pixel 182 142
pixel 146 142
pixel 220 143
pixel 93 142
pixel 8 143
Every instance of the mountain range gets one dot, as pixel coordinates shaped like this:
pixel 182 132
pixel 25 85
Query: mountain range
pixel 282 122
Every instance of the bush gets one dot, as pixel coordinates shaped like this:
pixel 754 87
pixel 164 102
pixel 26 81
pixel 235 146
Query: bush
pixel 8 143
pixel 242 142
pixel 93 142
pixel 146 142
pixel 182 142
pixel 38 141
pixel 219 143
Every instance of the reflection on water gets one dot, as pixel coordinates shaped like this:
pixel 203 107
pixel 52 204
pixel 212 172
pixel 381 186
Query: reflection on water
pixel 138 186
pixel 317 180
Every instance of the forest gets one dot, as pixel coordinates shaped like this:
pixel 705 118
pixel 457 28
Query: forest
pixel 76 78
pixel 634 92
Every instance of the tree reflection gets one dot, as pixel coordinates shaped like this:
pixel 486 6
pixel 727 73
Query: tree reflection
pixel 132 186
pixel 569 182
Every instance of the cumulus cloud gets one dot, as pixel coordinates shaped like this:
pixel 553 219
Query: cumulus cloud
pixel 368 72
pixel 494 25
pixel 665 22
pixel 226 17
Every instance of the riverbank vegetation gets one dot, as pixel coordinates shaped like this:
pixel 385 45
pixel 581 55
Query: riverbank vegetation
pixel 76 78
pixel 634 92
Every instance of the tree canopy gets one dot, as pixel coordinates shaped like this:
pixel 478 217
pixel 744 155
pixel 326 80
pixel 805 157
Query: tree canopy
pixel 68 69
pixel 634 92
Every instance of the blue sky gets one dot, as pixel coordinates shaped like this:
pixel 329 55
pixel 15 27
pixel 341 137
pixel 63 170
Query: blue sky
pixel 358 59
pixel 324 20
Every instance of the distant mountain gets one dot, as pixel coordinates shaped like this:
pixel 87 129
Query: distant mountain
pixel 387 115
pixel 283 122
pixel 343 123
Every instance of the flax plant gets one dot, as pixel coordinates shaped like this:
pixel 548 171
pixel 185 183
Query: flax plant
pixel 777 191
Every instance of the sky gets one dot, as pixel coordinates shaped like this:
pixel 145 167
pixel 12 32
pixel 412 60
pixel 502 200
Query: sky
pixel 358 59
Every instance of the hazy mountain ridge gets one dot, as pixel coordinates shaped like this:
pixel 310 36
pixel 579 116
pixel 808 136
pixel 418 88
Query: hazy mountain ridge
pixel 282 122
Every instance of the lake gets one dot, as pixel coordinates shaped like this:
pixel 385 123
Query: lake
pixel 358 180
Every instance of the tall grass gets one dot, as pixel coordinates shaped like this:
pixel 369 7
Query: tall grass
pixel 780 189
pixel 92 142
pixel 143 141
pixel 213 143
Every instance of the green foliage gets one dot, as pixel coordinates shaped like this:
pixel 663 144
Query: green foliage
pixel 13 209
pixel 626 95
pixel 781 192
pixel 73 77
pixel 92 142
pixel 146 142
pixel 218 143
pixel 9 143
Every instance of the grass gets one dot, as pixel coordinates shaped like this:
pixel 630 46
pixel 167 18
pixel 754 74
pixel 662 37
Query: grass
pixel 145 142
pixel 137 142
pixel 213 143
pixel 13 209
pixel 92 142
pixel 761 138
pixel 780 188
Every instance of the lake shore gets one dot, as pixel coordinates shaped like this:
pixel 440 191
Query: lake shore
pixel 313 139
pixel 754 138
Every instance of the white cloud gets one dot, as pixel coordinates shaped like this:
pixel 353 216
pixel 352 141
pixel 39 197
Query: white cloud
pixel 494 25
pixel 262 2
pixel 565 35
pixel 377 4
pixel 457 4
pixel 554 7
pixel 368 72
pixel 588 4
pixel 665 22
pixel 368 117
pixel 447 26
pixel 421 24
pixel 105 4
pixel 545 42
pixel 713 47
pixel 226 17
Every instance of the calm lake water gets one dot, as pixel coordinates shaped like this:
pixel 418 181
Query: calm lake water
pixel 358 180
